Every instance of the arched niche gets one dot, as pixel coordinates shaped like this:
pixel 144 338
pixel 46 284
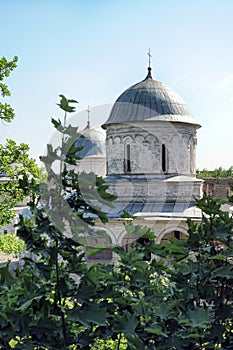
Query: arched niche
pixel 172 232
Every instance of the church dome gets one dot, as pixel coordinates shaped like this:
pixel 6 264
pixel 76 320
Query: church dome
pixel 149 100
pixel 93 143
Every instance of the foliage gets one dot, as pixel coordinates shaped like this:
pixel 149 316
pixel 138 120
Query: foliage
pixel 140 303
pixel 15 163
pixel 109 344
pixel 204 280
pixel 177 296
pixel 11 244
pixel 6 111
pixel 17 166
pixel 216 173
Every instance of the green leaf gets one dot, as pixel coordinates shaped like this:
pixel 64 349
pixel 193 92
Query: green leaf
pixel 223 272
pixel 92 251
pixel 126 323
pixel 126 215
pixel 91 313
pixel 155 331
pixel 199 317
pixel 28 303
pixel 57 124
pixel 64 104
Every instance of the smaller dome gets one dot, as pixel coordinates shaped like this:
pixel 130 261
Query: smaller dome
pixel 93 143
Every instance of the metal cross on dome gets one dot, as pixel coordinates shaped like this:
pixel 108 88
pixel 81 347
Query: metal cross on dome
pixel 149 54
pixel 88 116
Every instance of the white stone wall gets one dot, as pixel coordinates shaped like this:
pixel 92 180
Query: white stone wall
pixel 145 140
pixel 160 226
pixel 182 190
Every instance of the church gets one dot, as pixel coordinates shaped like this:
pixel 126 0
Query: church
pixel 148 160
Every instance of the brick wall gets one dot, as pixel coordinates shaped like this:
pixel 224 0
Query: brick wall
pixel 218 188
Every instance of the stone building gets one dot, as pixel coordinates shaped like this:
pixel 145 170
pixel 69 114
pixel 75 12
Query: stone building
pixel 151 140
pixel 218 187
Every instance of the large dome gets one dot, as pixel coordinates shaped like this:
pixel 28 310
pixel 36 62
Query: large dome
pixel 93 143
pixel 149 100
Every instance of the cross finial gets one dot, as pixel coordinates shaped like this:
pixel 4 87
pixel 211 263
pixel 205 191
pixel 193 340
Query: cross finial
pixel 88 117
pixel 149 55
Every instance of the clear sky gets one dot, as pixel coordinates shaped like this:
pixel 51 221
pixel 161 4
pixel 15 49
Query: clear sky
pixel 92 50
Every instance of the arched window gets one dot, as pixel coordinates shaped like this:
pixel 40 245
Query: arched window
pixel 177 234
pixel 127 159
pixel 173 234
pixel 164 163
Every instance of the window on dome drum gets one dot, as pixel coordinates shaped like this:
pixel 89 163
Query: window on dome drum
pixel 164 165
pixel 127 160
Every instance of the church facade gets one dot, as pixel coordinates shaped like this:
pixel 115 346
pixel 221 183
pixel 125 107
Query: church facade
pixel 151 140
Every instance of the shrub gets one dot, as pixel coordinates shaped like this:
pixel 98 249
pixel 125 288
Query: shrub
pixel 11 244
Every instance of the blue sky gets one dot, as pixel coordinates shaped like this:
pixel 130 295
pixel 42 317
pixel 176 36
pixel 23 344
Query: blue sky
pixel 93 50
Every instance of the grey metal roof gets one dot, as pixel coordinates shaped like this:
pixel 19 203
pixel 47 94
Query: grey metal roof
pixel 152 211
pixel 149 100
pixel 93 143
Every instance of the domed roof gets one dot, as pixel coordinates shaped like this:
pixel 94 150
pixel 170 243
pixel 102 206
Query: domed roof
pixel 149 100
pixel 93 143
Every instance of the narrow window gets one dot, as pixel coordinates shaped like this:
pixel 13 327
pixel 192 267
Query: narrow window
pixel 177 234
pixel 128 162
pixel 164 165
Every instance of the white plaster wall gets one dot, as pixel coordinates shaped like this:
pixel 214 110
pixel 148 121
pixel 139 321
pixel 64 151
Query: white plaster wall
pixel 157 191
pixel 119 236
pixel 146 139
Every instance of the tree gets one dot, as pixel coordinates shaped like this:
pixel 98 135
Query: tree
pixel 17 165
pixel 216 173
pixel 6 111
pixel 15 162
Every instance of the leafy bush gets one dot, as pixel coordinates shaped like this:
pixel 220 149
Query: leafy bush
pixel 109 344
pixel 11 244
